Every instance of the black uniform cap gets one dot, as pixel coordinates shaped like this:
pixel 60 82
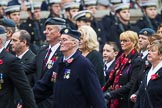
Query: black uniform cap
pixel 55 21
pixel 73 33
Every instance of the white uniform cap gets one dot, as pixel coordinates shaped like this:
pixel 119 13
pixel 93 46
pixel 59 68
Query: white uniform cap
pixel 148 4
pixel 55 1
pixel 103 2
pixel 83 15
pixel 119 1
pixel 13 8
pixel 34 4
pixel 122 6
pixel 71 5
pixel 90 2
pixel 3 3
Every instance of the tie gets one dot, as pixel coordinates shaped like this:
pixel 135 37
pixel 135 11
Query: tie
pixel 105 68
pixel 141 55
pixel 46 58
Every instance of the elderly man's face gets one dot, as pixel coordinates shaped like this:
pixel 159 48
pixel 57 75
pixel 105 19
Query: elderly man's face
pixel 52 33
pixel 67 43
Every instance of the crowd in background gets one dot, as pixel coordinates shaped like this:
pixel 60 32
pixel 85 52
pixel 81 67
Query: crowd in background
pixel 72 60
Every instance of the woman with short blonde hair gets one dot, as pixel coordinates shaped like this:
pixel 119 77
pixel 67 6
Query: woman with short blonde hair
pixel 89 46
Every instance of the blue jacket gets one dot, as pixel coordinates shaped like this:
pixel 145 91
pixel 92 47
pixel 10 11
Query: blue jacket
pixel 75 86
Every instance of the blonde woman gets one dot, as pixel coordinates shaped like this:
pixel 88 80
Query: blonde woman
pixel 89 46
pixel 125 72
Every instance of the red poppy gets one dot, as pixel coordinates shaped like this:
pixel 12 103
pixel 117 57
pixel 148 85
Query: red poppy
pixel 1 61
pixel 54 59
pixel 70 60
pixel 133 52
pixel 154 76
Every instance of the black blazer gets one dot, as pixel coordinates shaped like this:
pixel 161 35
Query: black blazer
pixel 37 66
pixel 27 61
pixel 154 89
pixel 109 69
pixel 14 77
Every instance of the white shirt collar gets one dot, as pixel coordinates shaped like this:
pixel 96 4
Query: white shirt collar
pixel 1 49
pixel 64 59
pixel 109 63
pixel 6 44
pixel 153 71
pixel 20 56
pixel 144 54
pixel 53 50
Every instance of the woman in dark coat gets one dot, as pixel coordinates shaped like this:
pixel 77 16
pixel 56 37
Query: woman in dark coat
pixel 150 95
pixel 89 46
pixel 124 74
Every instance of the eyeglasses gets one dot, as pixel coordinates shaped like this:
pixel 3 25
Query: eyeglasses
pixel 125 41
pixel 64 40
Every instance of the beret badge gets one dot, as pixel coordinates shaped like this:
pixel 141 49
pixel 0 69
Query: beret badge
pixel 66 30
pixel 87 15
pixel 145 32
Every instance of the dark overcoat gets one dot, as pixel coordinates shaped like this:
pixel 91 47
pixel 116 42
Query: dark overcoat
pixel 75 85
pixel 12 76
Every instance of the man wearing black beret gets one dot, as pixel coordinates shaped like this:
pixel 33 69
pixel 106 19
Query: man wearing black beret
pixel 10 28
pixel 12 76
pixel 72 81
pixel 48 54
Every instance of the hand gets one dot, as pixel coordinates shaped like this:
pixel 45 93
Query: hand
pixel 107 95
pixel 19 106
pixel 133 98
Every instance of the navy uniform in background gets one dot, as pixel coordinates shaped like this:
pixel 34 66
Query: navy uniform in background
pixel 148 20
pixel 122 23
pixel 3 5
pixel 15 2
pixel 90 5
pixel 12 76
pixel 108 20
pixel 103 5
pixel 54 8
pixel 72 81
pixel 86 17
pixel 13 12
pixel 71 8
pixel 35 26
pixel 96 25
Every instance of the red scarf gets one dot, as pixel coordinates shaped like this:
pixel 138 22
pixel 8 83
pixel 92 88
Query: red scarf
pixel 115 74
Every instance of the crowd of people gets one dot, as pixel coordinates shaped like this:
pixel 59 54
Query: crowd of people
pixel 71 60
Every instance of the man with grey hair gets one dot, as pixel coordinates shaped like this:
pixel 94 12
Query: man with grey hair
pixel 12 76
pixel 47 55
pixel 72 80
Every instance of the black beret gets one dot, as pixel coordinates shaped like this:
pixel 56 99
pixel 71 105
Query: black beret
pixel 55 21
pixel 2 31
pixel 73 33
pixel 146 32
pixel 7 22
